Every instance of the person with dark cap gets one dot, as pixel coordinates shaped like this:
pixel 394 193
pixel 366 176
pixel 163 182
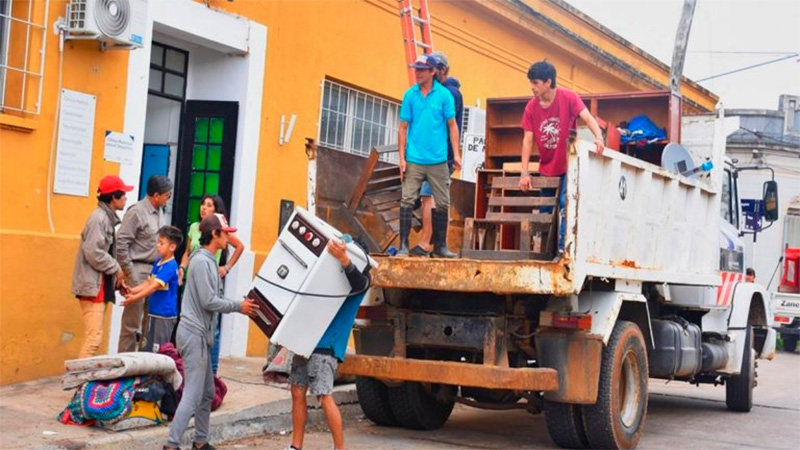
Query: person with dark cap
pixel 424 247
pixel 96 272
pixel 195 334
pixel 427 118
pixel 137 241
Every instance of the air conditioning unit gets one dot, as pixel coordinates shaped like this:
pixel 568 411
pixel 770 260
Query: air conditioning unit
pixel 474 122
pixel 117 23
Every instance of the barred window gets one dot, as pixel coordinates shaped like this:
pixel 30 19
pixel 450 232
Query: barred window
pixel 355 122
pixel 23 39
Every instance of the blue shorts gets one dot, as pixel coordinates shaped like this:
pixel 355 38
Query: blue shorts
pixel 425 189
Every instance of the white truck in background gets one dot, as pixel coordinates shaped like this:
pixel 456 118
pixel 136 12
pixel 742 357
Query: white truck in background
pixel 786 299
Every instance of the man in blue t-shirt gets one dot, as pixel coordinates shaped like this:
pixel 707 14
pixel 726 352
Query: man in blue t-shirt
pixel 427 119
pixel 162 288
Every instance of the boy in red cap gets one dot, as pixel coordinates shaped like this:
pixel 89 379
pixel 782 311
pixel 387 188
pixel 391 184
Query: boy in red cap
pixel 93 279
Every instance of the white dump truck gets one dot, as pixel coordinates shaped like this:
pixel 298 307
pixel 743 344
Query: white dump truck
pixel 650 285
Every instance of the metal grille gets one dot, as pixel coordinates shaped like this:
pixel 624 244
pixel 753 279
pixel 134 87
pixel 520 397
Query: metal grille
pixel 22 65
pixel 355 122
pixel 77 14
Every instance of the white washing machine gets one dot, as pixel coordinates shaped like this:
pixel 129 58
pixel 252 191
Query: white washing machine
pixel 301 286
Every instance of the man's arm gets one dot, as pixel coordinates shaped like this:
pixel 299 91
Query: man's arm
pixel 358 281
pixel 201 278
pixel 402 136
pixel 589 119
pixel 453 126
pixel 126 235
pixel 527 147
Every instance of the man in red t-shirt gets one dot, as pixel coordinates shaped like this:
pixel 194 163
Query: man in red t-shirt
pixel 549 116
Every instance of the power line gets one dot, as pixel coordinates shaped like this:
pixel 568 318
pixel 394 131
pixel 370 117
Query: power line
pixel 749 67
pixel 737 52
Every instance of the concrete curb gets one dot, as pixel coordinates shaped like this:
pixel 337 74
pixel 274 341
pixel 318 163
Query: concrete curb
pixel 268 418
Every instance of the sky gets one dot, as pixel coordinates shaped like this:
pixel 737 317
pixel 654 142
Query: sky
pixel 726 35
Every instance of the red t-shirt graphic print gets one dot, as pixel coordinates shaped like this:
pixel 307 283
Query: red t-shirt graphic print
pixel 550 127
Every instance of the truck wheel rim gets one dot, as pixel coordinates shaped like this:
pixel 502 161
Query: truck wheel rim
pixel 629 389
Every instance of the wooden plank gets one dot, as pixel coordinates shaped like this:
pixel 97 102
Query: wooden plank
pixel 390 215
pixel 512 183
pixel 361 185
pixel 469 234
pixel 525 236
pixel 386 172
pixel 522 201
pixel 383 183
pixel 389 196
pixel 498 217
pixel 516 167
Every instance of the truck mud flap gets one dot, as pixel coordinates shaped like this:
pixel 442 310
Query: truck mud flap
pixel 576 358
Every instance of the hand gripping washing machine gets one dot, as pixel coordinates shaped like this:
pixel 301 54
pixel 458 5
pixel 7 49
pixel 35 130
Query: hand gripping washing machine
pixel 301 286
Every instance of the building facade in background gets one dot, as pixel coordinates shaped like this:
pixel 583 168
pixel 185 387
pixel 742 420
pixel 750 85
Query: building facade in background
pixel 208 100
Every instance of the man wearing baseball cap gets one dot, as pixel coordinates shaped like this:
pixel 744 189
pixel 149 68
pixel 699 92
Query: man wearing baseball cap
pixel 427 119
pixel 93 278
pixel 195 335
pixel 425 213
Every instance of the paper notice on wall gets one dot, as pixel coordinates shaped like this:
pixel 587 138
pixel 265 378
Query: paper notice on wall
pixel 474 152
pixel 119 148
pixel 74 150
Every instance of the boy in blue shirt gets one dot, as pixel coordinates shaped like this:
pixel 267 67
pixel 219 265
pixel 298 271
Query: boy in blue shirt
pixel 162 288
pixel 317 372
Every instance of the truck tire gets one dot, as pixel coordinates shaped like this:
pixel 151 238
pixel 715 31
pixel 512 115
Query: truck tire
pixel 617 419
pixel 416 409
pixel 739 388
pixel 789 343
pixel 565 424
pixel 373 396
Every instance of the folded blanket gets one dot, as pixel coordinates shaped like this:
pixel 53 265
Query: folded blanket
pixel 111 367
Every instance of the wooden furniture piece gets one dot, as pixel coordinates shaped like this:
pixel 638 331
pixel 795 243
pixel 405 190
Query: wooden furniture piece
pixel 378 191
pixel 515 224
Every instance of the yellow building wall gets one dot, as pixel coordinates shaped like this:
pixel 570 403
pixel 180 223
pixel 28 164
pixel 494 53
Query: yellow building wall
pixel 40 321
pixel 356 42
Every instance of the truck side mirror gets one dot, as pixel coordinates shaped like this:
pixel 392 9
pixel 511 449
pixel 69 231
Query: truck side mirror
pixel 770 200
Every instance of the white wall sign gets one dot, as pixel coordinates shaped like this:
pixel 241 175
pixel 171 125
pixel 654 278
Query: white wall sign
pixel 119 148
pixel 74 151
pixel 474 152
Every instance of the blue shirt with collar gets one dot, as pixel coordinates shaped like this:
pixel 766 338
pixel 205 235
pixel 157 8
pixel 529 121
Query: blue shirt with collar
pixel 427 118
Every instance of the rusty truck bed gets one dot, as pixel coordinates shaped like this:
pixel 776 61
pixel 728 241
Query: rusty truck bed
pixel 472 275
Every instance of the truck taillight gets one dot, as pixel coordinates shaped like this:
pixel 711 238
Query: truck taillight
pixel 780 319
pixel 568 321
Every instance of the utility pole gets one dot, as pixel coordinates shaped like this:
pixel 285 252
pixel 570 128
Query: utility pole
pixel 681 42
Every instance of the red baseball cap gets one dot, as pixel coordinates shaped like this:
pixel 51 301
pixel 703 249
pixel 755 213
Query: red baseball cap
pixel 112 183
pixel 215 222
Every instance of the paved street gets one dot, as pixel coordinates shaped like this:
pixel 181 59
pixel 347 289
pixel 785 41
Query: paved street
pixel 680 416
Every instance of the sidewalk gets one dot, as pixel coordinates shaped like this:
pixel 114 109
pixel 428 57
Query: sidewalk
pixel 28 414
